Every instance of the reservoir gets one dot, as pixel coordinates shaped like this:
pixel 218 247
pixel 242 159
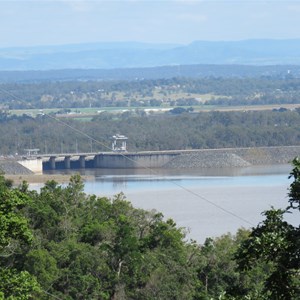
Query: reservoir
pixel 206 202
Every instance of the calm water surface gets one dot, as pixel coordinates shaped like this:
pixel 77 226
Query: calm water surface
pixel 208 203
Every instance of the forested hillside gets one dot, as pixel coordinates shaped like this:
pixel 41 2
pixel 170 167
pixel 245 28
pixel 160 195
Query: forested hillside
pixel 60 243
pixel 140 93
pixel 167 72
pixel 147 132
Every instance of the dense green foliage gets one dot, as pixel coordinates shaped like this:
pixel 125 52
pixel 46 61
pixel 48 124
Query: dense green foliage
pixel 277 243
pixel 15 238
pixel 96 248
pixel 184 131
pixel 86 247
pixel 60 243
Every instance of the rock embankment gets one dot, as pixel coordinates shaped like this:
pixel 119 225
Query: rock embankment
pixel 235 157
pixel 12 167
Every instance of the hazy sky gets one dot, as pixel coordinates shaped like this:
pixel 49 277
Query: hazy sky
pixel 46 22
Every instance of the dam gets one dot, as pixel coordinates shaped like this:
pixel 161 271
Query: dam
pixel 109 160
pixel 198 158
pixel 172 159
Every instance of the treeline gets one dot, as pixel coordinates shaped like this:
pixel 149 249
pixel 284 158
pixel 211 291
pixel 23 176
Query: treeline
pixel 188 71
pixel 154 92
pixel 61 243
pixel 146 132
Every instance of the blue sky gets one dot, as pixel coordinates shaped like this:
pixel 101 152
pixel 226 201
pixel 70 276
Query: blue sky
pixel 52 22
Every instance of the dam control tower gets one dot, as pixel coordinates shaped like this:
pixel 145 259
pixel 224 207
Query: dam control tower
pixel 119 143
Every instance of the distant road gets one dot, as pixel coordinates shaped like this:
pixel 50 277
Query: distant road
pixel 253 107
pixel 204 108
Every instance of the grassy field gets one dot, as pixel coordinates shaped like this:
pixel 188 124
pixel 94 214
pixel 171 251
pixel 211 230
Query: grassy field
pixel 85 114
pixel 161 95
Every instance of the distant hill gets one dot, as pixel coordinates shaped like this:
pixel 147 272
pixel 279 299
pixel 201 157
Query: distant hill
pixel 139 55
pixel 133 74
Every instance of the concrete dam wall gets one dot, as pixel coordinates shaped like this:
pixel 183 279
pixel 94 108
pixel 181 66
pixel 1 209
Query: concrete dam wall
pixel 21 166
pixel 202 158
pixel 134 160
pixel 112 160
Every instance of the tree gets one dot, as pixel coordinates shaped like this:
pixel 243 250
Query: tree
pixel 277 243
pixel 218 274
pixel 177 110
pixel 15 236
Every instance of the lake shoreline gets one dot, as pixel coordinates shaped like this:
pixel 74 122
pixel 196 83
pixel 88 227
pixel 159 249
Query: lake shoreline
pixel 43 178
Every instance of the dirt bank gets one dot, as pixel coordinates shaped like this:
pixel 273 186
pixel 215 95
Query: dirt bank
pixel 234 157
pixel 42 178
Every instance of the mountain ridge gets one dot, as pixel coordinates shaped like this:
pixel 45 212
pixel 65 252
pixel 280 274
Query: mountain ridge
pixel 111 55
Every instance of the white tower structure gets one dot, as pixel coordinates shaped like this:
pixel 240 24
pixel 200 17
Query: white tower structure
pixel 31 152
pixel 119 143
